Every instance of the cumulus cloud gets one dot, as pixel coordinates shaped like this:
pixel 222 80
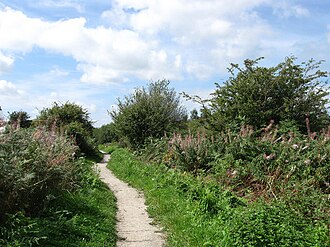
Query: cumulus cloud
pixel 285 9
pixel 146 39
pixel 60 4
pixel 8 89
pixel 103 54
pixel 6 63
pixel 19 32
pixel 205 35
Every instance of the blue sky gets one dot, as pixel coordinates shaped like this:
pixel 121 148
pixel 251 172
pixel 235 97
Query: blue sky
pixel 92 52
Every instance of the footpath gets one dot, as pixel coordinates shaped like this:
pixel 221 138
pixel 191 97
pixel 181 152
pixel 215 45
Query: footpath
pixel 134 226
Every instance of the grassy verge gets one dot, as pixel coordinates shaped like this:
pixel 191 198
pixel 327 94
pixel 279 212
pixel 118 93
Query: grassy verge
pixel 196 211
pixel 83 218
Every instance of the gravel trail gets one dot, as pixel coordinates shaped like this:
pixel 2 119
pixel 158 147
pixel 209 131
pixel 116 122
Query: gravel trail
pixel 134 227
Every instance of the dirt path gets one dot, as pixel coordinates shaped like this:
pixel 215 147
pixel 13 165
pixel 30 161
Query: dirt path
pixel 133 223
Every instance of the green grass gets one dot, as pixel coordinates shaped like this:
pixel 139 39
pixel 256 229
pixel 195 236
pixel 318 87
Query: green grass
pixel 196 211
pixel 108 148
pixel 82 218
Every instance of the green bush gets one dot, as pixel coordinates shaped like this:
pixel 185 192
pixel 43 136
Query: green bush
pixel 255 95
pixel 274 225
pixel 148 112
pixel 62 202
pixel 71 119
pixel 197 211
pixel 191 153
pixel 20 118
pixel 34 166
pixel 106 134
pixel 270 162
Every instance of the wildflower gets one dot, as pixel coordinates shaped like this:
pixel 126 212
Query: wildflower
pixel 295 146
pixel 307 162
pixel 269 157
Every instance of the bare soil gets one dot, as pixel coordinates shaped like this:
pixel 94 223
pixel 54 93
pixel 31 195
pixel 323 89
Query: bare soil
pixel 134 227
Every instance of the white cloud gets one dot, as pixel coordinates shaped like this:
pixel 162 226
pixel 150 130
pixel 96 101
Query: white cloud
pixel 147 39
pixel 17 31
pixel 6 63
pixel 285 9
pixel 199 31
pixel 8 89
pixel 103 54
pixel 60 4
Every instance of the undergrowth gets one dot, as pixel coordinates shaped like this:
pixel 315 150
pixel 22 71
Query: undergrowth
pixel 48 198
pixel 198 211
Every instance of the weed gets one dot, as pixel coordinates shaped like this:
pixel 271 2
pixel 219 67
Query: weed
pixel 197 211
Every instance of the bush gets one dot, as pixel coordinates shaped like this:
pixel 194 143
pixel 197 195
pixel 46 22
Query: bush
pixel 71 119
pixel 197 211
pixel 34 166
pixel 148 112
pixel 20 118
pixel 191 153
pixel 273 161
pixel 255 95
pixel 106 134
pixel 274 225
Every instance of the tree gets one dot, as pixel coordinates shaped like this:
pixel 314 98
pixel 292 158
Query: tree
pixel 73 120
pixel 20 118
pixel 194 114
pixel 255 95
pixel 148 112
pixel 105 134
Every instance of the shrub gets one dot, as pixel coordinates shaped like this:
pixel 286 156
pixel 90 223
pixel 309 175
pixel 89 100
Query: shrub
pixel 254 95
pixel 148 112
pixel 71 119
pixel 197 211
pixel 191 153
pixel 20 118
pixel 34 166
pixel 106 134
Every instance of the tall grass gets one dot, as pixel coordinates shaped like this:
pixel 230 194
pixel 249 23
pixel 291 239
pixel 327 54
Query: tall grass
pixel 265 163
pixel 49 197
pixel 34 166
pixel 196 211
pixel 281 175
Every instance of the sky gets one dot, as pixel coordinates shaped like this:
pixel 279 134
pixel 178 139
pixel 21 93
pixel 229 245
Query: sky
pixel 94 52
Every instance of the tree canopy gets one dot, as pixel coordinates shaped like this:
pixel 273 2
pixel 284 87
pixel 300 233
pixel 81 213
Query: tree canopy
pixel 20 118
pixel 256 95
pixel 148 112
pixel 72 119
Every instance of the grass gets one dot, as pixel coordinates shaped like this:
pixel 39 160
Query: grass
pixel 82 218
pixel 196 211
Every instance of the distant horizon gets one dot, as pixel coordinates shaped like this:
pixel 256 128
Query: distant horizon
pixel 93 52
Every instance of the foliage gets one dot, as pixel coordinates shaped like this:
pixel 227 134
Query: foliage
pixel 71 119
pixel 255 95
pixel 108 148
pixel 20 118
pixel 196 211
pixel 194 115
pixel 84 217
pixel 106 134
pixel 34 166
pixel 191 153
pixel 148 112
pixel 272 164
pixel 264 163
